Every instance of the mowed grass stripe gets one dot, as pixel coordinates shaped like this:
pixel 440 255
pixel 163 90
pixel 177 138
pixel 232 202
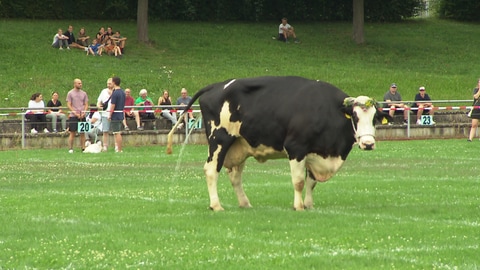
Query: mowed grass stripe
pixel 399 206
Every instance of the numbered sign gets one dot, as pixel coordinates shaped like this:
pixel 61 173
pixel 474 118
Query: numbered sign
pixel 426 120
pixel 197 125
pixel 83 127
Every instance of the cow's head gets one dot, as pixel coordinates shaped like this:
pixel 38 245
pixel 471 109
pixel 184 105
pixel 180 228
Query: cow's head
pixel 363 111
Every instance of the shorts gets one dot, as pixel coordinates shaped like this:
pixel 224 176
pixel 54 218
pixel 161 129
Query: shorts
pixel 129 116
pixel 281 37
pixel 105 124
pixel 73 123
pixel 145 115
pixel 116 126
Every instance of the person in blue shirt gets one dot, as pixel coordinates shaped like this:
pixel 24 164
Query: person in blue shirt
pixel 95 49
pixel 116 113
pixel 421 102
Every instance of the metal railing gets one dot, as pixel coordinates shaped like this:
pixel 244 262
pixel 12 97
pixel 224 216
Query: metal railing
pixel 22 111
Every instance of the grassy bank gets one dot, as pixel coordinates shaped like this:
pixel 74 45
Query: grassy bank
pixel 441 55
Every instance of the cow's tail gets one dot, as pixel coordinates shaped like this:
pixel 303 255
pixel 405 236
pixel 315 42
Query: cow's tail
pixel 194 98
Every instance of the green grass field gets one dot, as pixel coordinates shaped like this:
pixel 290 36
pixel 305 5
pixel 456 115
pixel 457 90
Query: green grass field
pixel 405 205
pixel 441 55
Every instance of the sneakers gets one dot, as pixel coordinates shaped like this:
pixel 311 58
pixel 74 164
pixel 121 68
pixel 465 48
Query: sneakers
pixel 139 128
pixel 60 48
pixel 70 151
pixel 54 131
pixel 419 122
pixel 180 126
pixel 405 122
pixel 33 131
pixel 45 130
pixel 126 128
pixel 68 48
pixel 104 149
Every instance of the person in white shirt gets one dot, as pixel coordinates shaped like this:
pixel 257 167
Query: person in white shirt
pixel 285 31
pixel 103 104
pixel 36 114
pixel 95 121
pixel 60 40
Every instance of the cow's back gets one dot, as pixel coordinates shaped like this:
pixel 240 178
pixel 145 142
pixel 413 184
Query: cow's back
pixel 278 112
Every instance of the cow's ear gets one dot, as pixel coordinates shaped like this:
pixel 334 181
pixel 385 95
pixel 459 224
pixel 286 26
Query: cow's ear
pixel 348 107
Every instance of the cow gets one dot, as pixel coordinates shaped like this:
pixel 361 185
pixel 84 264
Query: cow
pixel 312 123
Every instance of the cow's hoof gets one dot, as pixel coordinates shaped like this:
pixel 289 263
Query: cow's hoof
pixel 245 206
pixel 216 208
pixel 299 208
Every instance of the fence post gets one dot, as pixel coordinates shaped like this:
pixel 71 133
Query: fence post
pixel 23 130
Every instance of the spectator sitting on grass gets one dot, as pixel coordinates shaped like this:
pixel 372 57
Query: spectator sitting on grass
pixel 285 31
pixel 119 40
pixel 95 48
pixel 112 49
pixel 60 40
pixel 72 42
pixel 83 39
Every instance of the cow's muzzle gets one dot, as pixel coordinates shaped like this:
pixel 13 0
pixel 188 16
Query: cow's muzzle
pixel 366 142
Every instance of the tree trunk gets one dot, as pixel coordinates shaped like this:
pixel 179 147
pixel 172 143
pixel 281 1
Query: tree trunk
pixel 142 21
pixel 358 21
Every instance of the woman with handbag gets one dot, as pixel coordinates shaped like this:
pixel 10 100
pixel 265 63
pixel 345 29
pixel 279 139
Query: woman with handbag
pixel 475 112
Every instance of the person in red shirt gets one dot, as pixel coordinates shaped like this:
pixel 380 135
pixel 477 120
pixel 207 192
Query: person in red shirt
pixel 130 113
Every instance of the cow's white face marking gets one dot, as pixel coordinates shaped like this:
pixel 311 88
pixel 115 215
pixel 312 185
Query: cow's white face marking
pixel 365 131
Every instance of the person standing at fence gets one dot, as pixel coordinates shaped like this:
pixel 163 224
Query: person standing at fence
pixel 421 102
pixel 36 114
pixel 103 104
pixel 116 114
pixel 55 112
pixel 77 102
pixel 475 113
pixel 392 98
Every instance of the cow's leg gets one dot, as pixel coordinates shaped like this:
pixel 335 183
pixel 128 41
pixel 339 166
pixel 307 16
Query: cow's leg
pixel 211 174
pixel 309 192
pixel 297 169
pixel 235 174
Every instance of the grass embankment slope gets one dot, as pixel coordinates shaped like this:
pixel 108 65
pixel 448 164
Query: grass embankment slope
pixel 441 55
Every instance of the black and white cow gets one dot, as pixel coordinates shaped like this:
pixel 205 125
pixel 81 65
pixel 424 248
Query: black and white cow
pixel 312 123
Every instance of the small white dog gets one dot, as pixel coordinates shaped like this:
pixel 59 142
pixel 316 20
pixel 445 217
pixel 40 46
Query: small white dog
pixel 93 147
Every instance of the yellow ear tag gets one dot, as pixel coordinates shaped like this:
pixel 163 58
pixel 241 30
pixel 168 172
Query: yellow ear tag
pixel 384 121
pixel 348 116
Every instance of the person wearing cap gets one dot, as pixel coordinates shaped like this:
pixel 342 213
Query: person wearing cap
pixel 421 102
pixel 393 101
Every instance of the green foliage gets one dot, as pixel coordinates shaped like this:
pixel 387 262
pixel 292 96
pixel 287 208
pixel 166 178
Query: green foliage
pixel 215 10
pixel 405 205
pixel 464 10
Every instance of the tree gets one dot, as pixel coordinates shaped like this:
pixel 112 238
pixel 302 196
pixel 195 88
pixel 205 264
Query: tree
pixel 142 21
pixel 358 21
